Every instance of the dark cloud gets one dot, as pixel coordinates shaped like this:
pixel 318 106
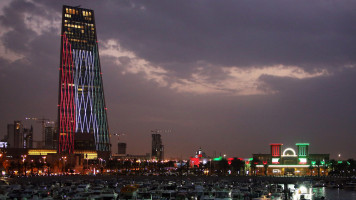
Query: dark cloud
pixel 314 34
pixel 181 36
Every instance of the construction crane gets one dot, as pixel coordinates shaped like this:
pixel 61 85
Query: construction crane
pixel 118 136
pixel 43 122
pixel 156 131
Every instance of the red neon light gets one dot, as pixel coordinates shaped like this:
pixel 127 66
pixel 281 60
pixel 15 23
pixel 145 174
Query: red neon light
pixel 275 150
pixel 194 161
pixel 264 162
pixel 67 105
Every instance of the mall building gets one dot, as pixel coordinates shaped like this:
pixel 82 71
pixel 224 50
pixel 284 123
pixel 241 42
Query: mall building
pixel 289 161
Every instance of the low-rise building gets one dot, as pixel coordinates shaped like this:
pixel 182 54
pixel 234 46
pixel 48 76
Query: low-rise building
pixel 287 161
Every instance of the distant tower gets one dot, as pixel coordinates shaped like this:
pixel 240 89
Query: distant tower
pixel 121 148
pixel 49 137
pixel 157 147
pixel 15 135
pixel 28 138
pixel 81 105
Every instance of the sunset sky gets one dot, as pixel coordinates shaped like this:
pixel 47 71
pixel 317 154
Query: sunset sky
pixel 230 77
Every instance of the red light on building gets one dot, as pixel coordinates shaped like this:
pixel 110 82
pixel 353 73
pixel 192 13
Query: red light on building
pixel 229 160
pixel 276 149
pixel 194 162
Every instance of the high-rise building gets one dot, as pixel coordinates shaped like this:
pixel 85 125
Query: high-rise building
pixel 81 105
pixel 49 137
pixel 15 135
pixel 28 137
pixel 157 147
pixel 121 148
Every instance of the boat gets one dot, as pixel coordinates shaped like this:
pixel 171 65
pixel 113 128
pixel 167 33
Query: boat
pixel 128 192
pixel 223 195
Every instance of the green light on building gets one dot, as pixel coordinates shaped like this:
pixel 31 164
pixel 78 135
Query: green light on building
pixel 217 159
pixel 313 162
pixel 300 144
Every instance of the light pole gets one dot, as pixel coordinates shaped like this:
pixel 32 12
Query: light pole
pixel 44 163
pixel 64 158
pixel 23 161
pixel 86 157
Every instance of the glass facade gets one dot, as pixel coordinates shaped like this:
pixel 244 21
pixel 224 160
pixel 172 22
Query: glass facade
pixel 81 107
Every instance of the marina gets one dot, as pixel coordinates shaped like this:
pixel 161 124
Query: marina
pixel 163 187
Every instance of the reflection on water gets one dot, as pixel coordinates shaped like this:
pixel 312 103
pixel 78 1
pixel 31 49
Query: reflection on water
pixel 334 193
pixel 318 193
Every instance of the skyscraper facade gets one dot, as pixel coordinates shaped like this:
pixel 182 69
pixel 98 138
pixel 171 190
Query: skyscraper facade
pixel 157 147
pixel 49 137
pixel 121 148
pixel 28 137
pixel 81 104
pixel 15 135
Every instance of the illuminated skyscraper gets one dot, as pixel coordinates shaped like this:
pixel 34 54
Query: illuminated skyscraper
pixel 81 105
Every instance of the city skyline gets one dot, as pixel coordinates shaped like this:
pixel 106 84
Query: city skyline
pixel 229 77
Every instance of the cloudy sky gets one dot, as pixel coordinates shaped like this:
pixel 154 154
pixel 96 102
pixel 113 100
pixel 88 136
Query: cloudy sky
pixel 230 77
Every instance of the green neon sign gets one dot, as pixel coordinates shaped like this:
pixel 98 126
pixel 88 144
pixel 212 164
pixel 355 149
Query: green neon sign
pixel 300 144
pixel 217 159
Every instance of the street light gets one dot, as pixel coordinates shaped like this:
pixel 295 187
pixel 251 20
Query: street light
pixel 65 160
pixel 23 158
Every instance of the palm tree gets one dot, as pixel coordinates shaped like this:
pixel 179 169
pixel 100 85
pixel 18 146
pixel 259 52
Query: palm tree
pixel 254 162
pixel 318 164
pixel 332 166
pixel 25 164
pixel 13 165
pixel 223 165
pixel 351 166
pixel 266 168
pixel 311 167
pixel 237 165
